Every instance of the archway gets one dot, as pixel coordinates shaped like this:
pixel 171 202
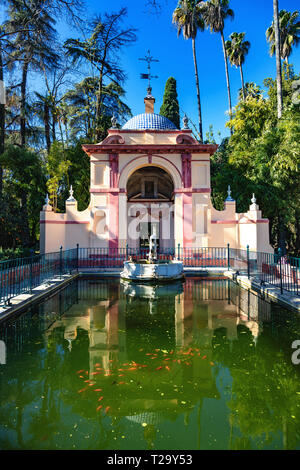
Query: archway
pixel 150 200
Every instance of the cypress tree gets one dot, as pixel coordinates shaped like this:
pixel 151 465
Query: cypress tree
pixel 170 106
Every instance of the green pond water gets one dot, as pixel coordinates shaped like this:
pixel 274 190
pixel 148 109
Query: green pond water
pixel 101 364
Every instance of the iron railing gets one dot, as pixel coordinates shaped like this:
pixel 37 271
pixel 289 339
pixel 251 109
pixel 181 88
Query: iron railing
pixel 20 276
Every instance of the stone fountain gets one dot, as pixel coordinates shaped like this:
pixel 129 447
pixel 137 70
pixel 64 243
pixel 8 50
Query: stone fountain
pixel 152 269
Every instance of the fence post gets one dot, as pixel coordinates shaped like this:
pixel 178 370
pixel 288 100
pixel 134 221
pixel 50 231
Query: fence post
pixel 248 261
pixel 178 253
pixel 126 252
pixel 280 270
pixel 228 256
pixel 60 262
pixel 77 257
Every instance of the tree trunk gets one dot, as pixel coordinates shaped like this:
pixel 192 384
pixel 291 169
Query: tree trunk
pixel 23 103
pixel 47 126
pixel 2 122
pixel 198 91
pixel 53 126
pixel 99 102
pixel 227 75
pixel 243 84
pixel 278 60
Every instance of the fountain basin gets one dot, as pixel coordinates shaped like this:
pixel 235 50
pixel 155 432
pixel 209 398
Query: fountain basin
pixel 153 272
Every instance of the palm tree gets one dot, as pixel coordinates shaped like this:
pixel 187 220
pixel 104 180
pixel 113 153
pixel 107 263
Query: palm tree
pixel 188 19
pixel 289 29
pixel 278 60
pixel 237 49
pixel 214 13
pixel 252 90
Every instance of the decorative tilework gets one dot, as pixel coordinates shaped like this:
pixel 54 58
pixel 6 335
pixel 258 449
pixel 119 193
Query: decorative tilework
pixel 149 121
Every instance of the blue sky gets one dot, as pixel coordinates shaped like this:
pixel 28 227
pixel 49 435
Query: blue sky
pixel 156 32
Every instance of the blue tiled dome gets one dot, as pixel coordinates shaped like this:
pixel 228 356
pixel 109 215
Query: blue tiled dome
pixel 149 121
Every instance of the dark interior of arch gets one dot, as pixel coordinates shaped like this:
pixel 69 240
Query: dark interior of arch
pixel 150 183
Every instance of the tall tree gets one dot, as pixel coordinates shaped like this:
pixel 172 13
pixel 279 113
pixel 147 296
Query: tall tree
pixel 32 47
pixel 189 21
pixel 237 49
pixel 289 29
pixel 101 51
pixel 278 60
pixel 214 13
pixel 170 106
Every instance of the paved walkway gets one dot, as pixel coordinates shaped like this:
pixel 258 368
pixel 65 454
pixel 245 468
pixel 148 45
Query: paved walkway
pixel 287 299
pixel 20 301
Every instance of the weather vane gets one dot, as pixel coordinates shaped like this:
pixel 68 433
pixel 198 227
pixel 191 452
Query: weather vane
pixel 147 76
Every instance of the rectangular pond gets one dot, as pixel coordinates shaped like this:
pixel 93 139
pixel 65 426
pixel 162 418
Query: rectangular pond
pixel 103 364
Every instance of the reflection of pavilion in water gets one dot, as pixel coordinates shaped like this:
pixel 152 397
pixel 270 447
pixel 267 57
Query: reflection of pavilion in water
pixel 196 309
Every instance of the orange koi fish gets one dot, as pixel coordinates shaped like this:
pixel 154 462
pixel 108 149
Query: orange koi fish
pixel 204 357
pixel 107 408
pixel 158 368
pixel 101 398
pixel 98 390
pixel 99 407
pixel 79 371
pixel 168 368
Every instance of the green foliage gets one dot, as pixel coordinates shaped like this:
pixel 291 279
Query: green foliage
pixel 24 188
pixel 78 176
pixel 57 169
pixel 170 106
pixel 263 157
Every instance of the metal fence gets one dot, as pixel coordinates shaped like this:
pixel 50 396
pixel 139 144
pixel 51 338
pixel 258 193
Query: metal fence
pixel 19 276
pixel 280 271
pixel 22 275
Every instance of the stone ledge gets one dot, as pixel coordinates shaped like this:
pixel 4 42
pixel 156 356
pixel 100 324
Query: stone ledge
pixel 19 302
pixel 287 299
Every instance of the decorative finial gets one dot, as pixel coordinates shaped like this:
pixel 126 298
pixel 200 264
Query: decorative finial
pixel 114 122
pixel 185 122
pixel 149 92
pixel 47 207
pixel 71 192
pixel 253 200
pixel 229 198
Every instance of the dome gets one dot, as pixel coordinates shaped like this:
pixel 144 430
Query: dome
pixel 149 121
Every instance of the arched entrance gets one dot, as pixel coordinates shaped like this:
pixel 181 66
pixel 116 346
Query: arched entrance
pixel 150 200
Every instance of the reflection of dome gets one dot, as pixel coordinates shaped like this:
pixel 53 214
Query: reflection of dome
pixel 149 418
pixel 149 121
